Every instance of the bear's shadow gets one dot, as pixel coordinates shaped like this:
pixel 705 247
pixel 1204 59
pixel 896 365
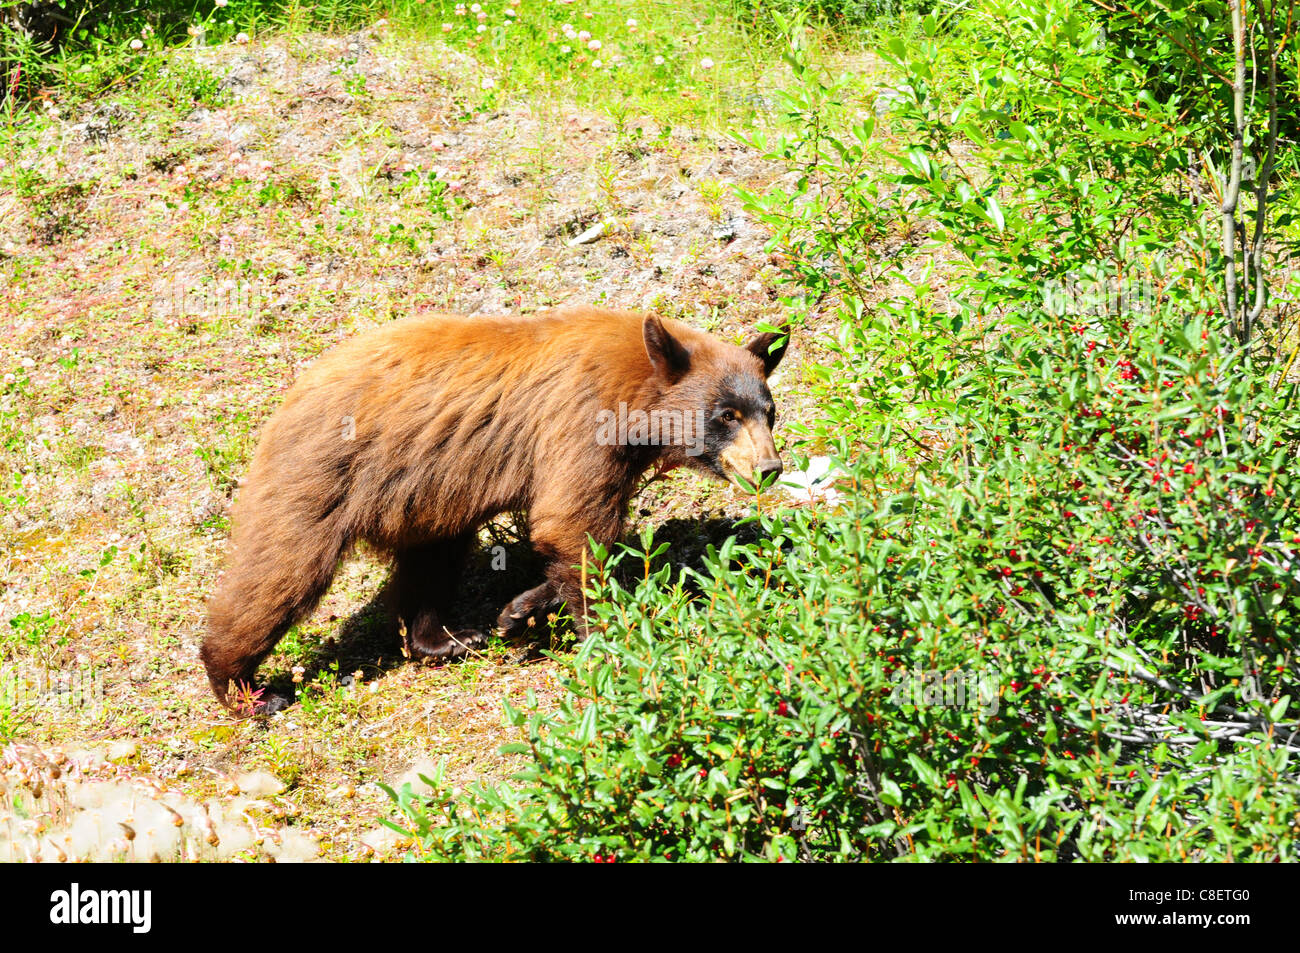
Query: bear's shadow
pixel 369 640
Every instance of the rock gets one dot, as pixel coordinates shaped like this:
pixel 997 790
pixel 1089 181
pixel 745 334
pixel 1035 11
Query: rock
pixel 729 229
pixel 592 234
pixel 104 122
pixel 383 841
pixel 817 482
pixel 240 79
pixel 886 99
pixel 295 847
pixel 122 750
pixel 259 784
pixel 426 766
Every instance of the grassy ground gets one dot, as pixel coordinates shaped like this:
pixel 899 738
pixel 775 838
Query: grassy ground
pixel 175 245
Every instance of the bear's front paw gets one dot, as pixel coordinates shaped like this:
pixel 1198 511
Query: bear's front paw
pixel 447 644
pixel 526 610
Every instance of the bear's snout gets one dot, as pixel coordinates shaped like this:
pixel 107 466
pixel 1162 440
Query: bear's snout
pixel 770 468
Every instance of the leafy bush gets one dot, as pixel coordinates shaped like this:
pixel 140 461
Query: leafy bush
pixel 1055 617
pixel 764 15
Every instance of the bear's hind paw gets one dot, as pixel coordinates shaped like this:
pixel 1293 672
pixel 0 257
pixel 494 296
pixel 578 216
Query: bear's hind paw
pixel 448 644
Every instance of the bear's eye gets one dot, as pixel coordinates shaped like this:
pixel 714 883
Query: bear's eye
pixel 730 416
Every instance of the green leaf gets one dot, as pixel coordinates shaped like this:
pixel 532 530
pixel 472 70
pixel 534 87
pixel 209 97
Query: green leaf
pixel 890 793
pixel 995 213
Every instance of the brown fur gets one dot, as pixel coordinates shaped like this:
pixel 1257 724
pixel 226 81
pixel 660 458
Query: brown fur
pixel 412 436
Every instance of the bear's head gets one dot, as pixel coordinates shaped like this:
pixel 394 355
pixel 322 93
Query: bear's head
pixel 720 392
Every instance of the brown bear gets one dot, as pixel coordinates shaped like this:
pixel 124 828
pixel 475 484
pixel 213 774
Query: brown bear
pixel 413 435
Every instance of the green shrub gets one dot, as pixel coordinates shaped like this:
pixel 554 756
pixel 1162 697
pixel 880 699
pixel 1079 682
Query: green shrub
pixel 1055 616
pixel 843 15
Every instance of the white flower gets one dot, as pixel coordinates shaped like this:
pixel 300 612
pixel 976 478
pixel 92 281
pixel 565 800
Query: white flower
pixel 594 45
pixel 659 61
pixel 510 13
pixel 631 21
pixel 584 36
pixel 475 8
pixel 219 3
pixel 241 37
pixel 446 28
pixel 137 44
pixel 596 64
pixel 566 49
pixel 481 17
pixel 706 63
pixel 480 28
pixel 488 82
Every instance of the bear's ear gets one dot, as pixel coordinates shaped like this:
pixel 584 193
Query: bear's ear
pixel 761 347
pixel 666 353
